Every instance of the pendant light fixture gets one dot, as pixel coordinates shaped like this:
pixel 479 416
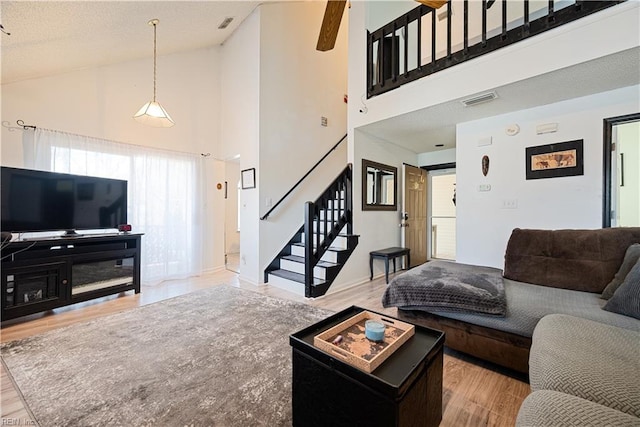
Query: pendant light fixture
pixel 152 113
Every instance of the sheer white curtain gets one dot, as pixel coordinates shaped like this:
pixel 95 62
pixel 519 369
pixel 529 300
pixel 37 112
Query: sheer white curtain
pixel 164 193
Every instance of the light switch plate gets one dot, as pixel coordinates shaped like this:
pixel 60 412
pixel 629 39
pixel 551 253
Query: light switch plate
pixel 485 141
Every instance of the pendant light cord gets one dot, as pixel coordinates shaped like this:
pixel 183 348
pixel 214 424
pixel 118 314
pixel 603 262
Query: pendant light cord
pixel 154 61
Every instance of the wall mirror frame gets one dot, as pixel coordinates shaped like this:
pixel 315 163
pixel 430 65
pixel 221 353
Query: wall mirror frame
pixel 379 186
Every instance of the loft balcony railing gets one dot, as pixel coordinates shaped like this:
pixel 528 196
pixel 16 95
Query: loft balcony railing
pixel 426 40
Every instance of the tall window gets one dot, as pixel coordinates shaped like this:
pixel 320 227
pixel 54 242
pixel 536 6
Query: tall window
pixel 164 193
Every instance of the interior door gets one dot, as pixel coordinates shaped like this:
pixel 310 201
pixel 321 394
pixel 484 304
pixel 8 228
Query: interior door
pixel 413 225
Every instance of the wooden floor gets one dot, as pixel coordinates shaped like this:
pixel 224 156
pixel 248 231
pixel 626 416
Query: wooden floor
pixel 472 394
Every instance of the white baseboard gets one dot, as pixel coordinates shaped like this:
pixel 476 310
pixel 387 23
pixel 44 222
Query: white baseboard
pixel 353 284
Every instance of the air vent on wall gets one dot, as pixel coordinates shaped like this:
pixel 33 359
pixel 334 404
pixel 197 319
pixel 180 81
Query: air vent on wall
pixel 479 99
pixel 225 23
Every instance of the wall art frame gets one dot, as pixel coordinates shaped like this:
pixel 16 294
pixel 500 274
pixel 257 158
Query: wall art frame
pixel 555 160
pixel 248 178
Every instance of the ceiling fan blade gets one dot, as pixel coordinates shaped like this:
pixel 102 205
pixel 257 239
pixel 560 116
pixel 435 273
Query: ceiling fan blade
pixel 330 24
pixel 435 4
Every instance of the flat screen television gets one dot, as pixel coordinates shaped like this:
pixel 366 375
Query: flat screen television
pixel 34 201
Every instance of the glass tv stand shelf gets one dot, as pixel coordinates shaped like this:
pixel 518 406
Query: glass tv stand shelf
pixel 40 275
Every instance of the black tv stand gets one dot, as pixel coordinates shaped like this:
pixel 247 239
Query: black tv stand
pixel 43 274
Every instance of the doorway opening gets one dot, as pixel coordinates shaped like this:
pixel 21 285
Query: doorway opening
pixel 621 202
pixel 232 215
pixel 442 213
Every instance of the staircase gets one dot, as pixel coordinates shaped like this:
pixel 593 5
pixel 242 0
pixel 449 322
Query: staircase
pixel 313 257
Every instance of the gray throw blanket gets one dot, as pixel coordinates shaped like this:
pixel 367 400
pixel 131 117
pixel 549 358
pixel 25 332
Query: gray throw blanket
pixel 448 286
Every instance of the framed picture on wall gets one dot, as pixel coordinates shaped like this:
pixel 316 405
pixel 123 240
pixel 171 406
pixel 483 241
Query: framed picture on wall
pixel 248 178
pixel 555 160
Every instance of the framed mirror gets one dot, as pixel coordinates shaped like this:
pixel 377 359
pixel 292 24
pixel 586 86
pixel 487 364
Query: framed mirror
pixel 379 186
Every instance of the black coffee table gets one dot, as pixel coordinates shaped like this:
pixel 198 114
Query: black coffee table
pixel 405 390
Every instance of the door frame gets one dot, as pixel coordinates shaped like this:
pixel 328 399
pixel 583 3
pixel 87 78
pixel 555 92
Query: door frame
pixel 607 126
pixel 440 166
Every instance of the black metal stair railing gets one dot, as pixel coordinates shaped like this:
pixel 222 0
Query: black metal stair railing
pixel 265 216
pixel 324 219
pixel 390 63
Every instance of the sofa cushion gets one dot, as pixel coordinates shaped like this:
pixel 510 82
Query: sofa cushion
pixel 587 359
pixel 631 256
pixel 583 260
pixel 626 300
pixel 546 408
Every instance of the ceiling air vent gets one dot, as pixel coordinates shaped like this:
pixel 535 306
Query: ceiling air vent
pixel 225 23
pixel 479 99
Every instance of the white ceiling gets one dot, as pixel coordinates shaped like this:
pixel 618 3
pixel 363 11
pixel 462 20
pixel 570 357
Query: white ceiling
pixel 52 37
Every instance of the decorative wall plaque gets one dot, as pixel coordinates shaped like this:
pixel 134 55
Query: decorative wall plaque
pixel 485 165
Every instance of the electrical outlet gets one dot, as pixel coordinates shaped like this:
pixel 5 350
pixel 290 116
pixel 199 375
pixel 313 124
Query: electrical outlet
pixel 324 121
pixel 510 204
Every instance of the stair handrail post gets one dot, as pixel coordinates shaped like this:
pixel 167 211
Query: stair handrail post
pixel 308 248
pixel 349 198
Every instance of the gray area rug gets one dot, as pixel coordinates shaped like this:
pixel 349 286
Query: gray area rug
pixel 218 357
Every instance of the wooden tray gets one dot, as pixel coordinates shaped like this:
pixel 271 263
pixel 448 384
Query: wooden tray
pixel 355 349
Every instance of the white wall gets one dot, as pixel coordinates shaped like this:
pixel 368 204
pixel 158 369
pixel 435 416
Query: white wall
pixel 377 229
pixel 484 225
pixel 298 85
pixel 439 157
pixel 276 87
pixel 240 127
pixel 100 102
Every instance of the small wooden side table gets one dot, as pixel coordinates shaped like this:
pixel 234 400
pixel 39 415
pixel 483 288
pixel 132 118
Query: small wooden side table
pixel 386 254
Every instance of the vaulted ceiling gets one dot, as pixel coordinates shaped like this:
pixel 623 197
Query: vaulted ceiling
pixel 52 37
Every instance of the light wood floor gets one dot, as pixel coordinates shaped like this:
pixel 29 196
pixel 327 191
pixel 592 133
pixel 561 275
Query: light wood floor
pixel 472 394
